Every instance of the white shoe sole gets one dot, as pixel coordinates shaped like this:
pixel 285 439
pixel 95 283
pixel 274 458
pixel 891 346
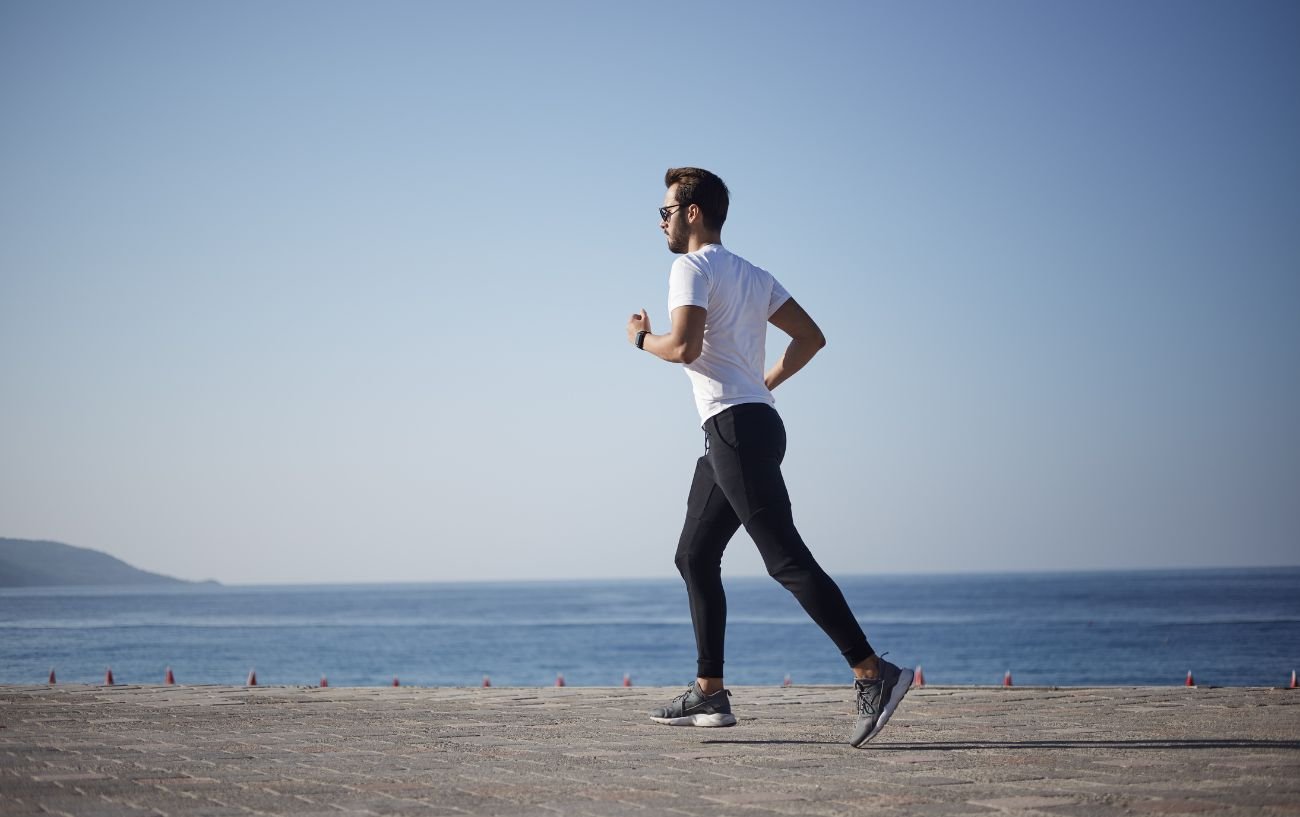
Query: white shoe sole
pixel 905 678
pixel 720 719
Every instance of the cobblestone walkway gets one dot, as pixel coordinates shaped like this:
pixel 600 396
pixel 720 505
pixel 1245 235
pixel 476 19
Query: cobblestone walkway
pixel 86 750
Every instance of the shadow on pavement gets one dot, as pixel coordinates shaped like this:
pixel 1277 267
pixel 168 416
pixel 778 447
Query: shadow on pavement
pixel 944 746
pixel 1187 743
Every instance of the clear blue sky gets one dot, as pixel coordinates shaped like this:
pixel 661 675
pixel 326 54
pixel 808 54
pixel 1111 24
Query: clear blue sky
pixel 312 291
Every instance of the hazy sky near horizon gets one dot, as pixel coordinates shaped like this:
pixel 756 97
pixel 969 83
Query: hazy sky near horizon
pixel 326 292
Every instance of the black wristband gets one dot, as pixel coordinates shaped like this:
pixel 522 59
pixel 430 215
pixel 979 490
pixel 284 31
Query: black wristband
pixel 640 339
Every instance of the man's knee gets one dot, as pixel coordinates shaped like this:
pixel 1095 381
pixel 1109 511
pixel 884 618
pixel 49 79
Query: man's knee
pixel 789 568
pixel 783 550
pixel 694 564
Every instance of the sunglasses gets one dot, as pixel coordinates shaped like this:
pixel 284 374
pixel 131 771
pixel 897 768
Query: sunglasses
pixel 666 213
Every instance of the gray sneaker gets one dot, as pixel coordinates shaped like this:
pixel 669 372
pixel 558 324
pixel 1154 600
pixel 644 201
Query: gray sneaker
pixel 877 700
pixel 694 708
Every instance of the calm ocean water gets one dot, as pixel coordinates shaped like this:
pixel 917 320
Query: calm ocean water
pixel 1230 627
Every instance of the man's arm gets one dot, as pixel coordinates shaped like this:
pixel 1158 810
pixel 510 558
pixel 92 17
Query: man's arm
pixel 684 341
pixel 806 339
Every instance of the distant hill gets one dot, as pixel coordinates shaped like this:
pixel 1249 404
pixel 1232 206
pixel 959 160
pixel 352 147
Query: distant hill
pixel 28 563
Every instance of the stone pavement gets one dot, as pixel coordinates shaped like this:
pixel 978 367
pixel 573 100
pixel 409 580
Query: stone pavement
pixel 213 751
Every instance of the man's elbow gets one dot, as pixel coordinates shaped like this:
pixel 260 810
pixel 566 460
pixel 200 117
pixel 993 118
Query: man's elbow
pixel 815 339
pixel 688 352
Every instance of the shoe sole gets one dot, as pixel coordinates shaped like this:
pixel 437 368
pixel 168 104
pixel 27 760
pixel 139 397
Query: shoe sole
pixel 719 719
pixel 905 678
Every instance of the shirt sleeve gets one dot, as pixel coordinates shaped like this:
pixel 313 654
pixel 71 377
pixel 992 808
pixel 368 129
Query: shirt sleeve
pixel 687 285
pixel 778 297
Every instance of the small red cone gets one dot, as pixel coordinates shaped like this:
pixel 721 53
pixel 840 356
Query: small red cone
pixel 252 678
pixel 395 681
pixel 1293 686
pixel 919 679
pixel 52 681
pixel 108 676
pixel 1006 679
pixel 559 679
pixel 786 682
pixel 1189 682
pixel 627 680
pixel 324 681
pixel 487 682
pixel 170 679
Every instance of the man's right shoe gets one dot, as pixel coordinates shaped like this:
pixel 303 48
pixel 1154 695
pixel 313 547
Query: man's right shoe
pixel 694 708
pixel 877 700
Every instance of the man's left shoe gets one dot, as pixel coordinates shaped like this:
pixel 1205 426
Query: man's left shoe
pixel 694 708
pixel 877 700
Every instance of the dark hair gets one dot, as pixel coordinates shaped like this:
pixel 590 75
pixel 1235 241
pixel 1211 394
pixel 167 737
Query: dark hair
pixel 703 189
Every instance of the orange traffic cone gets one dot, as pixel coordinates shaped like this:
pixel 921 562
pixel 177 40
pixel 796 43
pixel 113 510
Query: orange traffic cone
pixel 627 680
pixel 786 682
pixel 52 681
pixel 395 683
pixel 252 678
pixel 1006 679
pixel 559 679
pixel 919 680
pixel 1293 686
pixel 487 682
pixel 170 679
pixel 324 681
pixel 108 676
pixel 1189 682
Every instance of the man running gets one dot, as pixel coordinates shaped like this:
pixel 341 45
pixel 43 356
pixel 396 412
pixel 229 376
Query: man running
pixel 720 305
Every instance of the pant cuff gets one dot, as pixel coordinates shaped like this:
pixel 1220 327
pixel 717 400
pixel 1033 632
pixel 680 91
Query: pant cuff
pixel 708 669
pixel 858 654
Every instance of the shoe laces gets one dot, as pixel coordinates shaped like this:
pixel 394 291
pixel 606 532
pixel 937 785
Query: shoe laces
pixel 687 694
pixel 865 687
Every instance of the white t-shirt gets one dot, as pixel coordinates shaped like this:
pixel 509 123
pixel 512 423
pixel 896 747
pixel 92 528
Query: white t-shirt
pixel 739 297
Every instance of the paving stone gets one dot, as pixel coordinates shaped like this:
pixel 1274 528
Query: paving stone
pixel 1024 802
pixel 1179 805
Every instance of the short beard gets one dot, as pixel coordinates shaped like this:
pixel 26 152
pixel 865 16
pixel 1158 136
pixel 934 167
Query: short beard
pixel 679 236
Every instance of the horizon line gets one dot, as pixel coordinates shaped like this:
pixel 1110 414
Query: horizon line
pixel 671 577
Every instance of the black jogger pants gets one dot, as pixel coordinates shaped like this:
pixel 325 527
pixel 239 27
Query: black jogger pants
pixel 738 481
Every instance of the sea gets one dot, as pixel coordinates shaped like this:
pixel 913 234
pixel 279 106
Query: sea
pixel 1238 627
